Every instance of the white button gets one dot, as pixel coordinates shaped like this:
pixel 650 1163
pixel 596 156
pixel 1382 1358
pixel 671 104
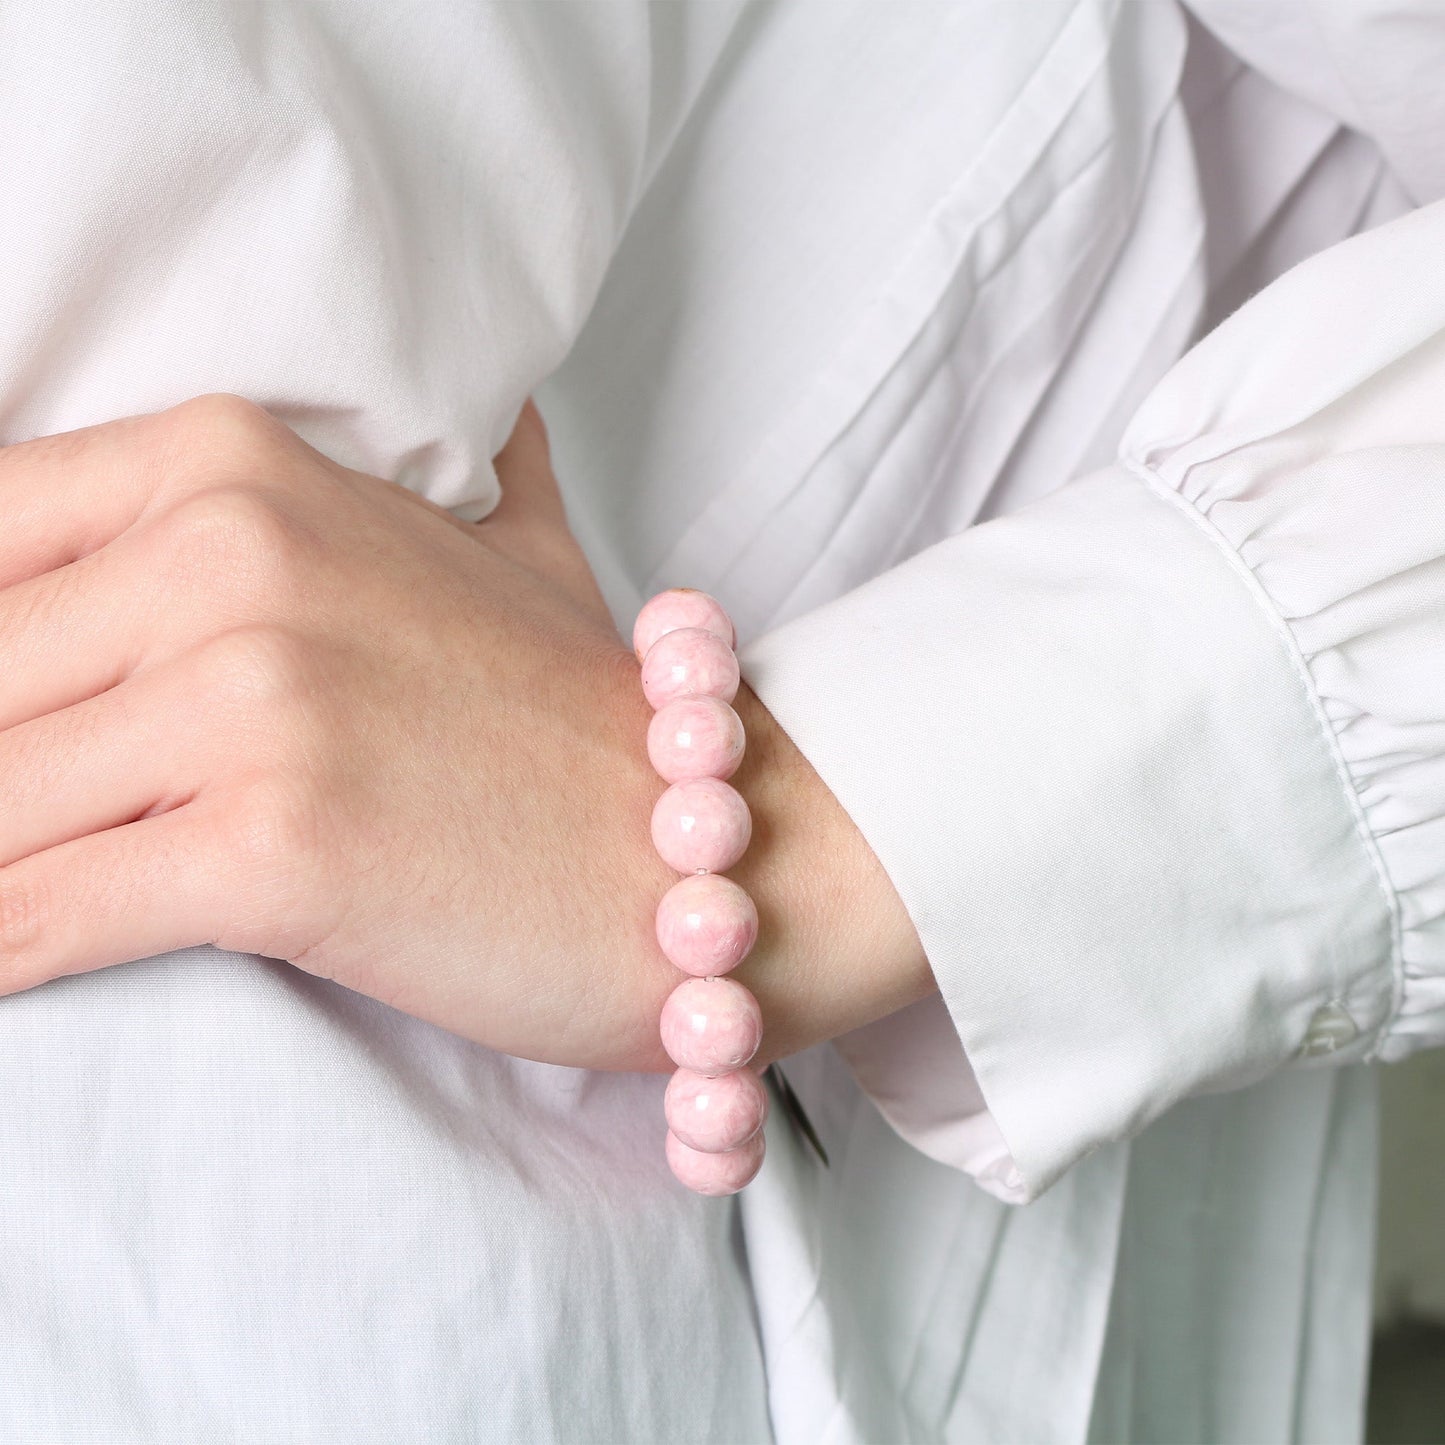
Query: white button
pixel 1331 1028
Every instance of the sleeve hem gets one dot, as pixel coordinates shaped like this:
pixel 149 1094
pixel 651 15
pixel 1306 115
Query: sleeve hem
pixel 1074 746
pixel 1301 669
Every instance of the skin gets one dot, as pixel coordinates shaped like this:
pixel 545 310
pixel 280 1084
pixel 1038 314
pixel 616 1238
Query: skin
pixel 257 699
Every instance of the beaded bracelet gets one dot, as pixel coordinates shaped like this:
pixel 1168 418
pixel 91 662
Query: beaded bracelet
pixel 706 924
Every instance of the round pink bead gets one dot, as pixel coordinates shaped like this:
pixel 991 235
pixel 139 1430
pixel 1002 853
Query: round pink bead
pixel 706 924
pixel 701 824
pixel 715 1174
pixel 679 607
pixel 715 1115
pixel 695 737
pixel 689 661
pixel 711 1025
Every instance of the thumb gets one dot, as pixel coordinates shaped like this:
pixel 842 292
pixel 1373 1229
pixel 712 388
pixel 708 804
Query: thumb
pixel 529 523
pixel 531 498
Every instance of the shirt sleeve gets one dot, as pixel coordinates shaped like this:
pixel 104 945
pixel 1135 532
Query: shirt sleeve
pixel 1157 763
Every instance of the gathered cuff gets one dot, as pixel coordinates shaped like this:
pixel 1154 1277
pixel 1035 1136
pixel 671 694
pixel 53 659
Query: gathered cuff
pixel 1360 618
pixel 1307 436
pixel 1081 751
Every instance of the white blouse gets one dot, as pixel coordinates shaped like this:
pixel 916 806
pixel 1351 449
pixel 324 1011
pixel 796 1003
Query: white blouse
pixel 878 321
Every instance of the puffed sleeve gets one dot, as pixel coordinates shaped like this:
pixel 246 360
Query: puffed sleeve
pixel 1157 763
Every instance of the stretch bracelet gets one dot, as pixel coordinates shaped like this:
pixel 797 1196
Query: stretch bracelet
pixel 706 924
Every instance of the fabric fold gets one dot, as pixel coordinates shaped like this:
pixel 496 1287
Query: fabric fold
pixel 1197 836
pixel 1145 880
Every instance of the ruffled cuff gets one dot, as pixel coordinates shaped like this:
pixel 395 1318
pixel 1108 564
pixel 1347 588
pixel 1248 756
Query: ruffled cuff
pixel 1079 749
pixel 1157 764
pixel 1308 436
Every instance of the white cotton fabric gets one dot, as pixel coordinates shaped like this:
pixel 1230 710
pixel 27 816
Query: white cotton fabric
pixel 1255 584
pixel 1153 756
pixel 238 1203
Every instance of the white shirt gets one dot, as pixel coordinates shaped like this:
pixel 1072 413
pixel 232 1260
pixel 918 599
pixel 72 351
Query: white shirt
pixel 1152 756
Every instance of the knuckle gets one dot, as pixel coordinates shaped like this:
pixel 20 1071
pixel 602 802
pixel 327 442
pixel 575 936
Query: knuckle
pixel 268 848
pixel 255 667
pixel 221 425
pixel 237 534
pixel 272 830
pixel 219 439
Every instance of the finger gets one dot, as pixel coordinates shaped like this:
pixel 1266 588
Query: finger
pixel 73 633
pixel 530 495
pixel 131 892
pixel 530 523
pixel 116 757
pixel 69 634
pixel 199 563
pixel 65 496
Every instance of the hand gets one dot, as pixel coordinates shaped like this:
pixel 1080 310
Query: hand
pixel 258 699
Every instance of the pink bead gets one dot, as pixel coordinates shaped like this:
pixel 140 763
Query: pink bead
pixel 715 1174
pixel 701 824
pixel 711 1025
pixel 679 607
pixel 715 1115
pixel 689 661
pixel 695 737
pixel 706 924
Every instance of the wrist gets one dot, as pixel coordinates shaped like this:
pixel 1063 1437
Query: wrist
pixel 836 948
pixel 635 878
